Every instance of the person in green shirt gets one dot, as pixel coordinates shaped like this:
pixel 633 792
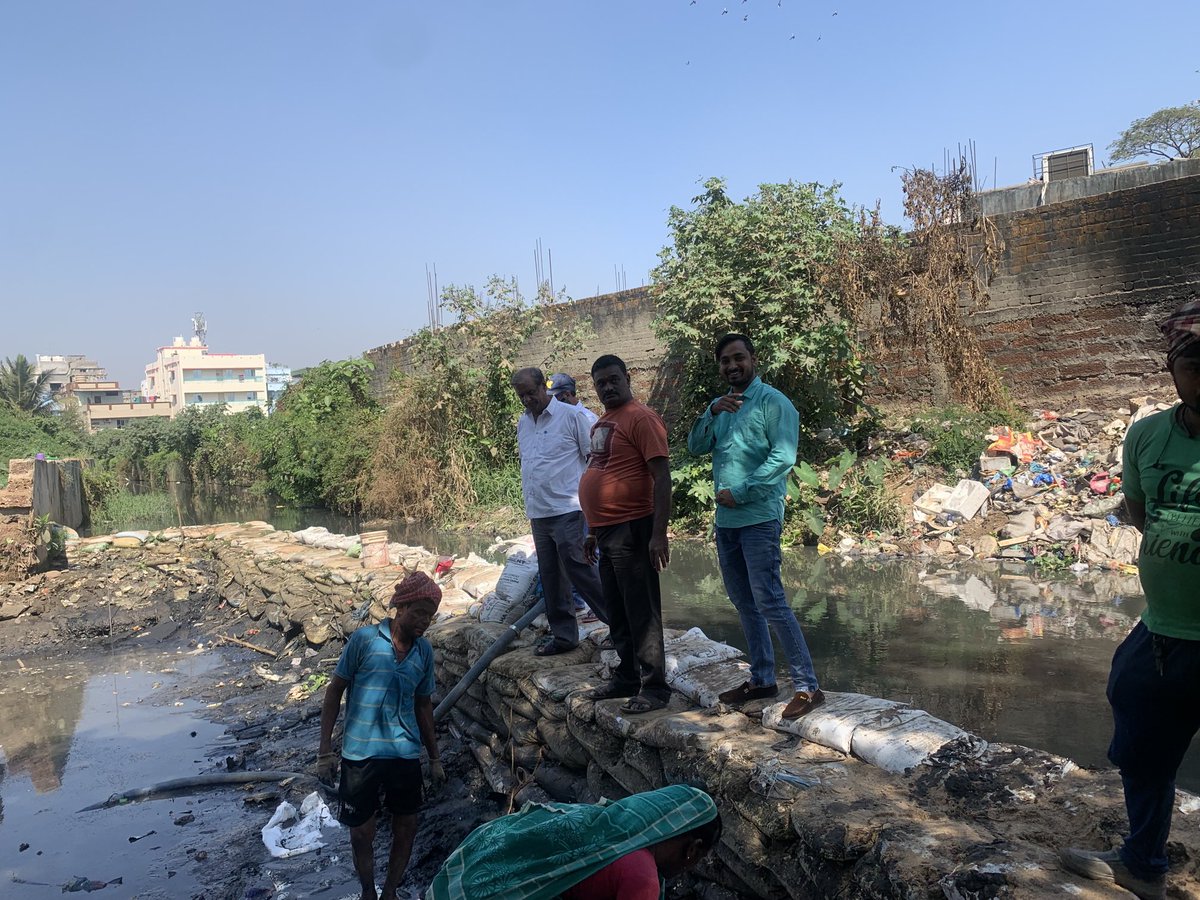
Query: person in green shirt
pixel 752 432
pixel 1154 685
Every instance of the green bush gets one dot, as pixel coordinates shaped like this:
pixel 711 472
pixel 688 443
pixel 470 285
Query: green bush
pixel 957 434
pixel 864 503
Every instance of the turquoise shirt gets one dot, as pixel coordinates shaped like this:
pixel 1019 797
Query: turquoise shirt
pixel 753 451
pixel 380 718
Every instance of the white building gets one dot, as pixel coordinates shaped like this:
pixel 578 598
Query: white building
pixel 187 374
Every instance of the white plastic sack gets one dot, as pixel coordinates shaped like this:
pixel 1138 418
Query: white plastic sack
pixel 694 648
pixel 901 741
pixel 519 576
pixel 284 840
pixel 831 724
pixel 704 684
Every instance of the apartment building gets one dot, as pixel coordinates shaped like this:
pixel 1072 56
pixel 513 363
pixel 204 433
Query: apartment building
pixel 67 370
pixel 78 379
pixel 187 374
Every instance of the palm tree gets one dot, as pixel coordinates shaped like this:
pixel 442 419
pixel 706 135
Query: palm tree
pixel 22 387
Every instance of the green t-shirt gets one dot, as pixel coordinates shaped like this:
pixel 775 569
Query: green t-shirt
pixel 1162 470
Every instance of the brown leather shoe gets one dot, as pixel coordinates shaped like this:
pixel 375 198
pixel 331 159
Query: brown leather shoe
pixel 746 692
pixel 802 703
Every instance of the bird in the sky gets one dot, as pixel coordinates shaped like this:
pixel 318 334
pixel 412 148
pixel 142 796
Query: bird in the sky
pixel 835 13
pixel 792 38
pixel 725 12
pixel 745 18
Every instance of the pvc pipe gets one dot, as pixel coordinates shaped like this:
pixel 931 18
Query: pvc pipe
pixel 486 660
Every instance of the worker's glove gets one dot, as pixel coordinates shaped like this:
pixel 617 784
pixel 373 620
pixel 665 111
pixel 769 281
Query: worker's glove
pixel 437 774
pixel 327 766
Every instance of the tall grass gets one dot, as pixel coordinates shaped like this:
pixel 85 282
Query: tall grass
pixel 122 511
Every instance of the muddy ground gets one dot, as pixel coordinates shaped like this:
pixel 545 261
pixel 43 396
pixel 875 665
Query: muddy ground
pixel 269 704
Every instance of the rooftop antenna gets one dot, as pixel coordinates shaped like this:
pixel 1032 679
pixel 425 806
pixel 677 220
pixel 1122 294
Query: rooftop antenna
pixel 199 327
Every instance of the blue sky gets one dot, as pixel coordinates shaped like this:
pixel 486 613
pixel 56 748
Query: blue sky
pixel 291 167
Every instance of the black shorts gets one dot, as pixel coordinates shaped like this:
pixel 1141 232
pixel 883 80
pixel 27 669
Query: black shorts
pixel 365 782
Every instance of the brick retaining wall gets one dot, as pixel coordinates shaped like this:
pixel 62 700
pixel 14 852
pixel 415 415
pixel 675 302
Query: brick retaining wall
pixel 1071 318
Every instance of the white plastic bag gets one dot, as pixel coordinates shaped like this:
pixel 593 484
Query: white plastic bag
pixel 283 840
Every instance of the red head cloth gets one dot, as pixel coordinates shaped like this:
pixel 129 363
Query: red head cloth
pixel 1182 329
pixel 415 587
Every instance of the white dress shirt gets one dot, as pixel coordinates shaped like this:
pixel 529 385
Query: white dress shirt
pixel 554 452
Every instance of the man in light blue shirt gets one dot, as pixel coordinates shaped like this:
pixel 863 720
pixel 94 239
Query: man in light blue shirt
pixel 386 673
pixel 752 433
pixel 554 440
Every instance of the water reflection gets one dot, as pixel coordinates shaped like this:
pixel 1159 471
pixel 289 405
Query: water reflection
pixel 994 649
pixel 73 731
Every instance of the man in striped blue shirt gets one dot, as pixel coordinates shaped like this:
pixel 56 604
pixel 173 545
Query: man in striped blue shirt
pixel 387 670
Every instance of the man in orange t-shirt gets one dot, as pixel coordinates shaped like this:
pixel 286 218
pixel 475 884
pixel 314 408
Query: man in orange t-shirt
pixel 625 493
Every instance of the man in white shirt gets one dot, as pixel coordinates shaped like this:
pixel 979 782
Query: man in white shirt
pixel 554 440
pixel 562 388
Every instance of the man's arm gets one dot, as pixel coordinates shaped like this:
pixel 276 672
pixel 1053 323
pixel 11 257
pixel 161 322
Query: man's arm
pixel 783 435
pixel 329 712
pixel 702 439
pixel 660 471
pixel 581 430
pixel 423 707
pixel 1137 513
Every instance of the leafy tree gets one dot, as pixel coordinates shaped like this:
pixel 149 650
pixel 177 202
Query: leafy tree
pixel 315 446
pixel 1172 133
pixel 761 267
pixel 23 388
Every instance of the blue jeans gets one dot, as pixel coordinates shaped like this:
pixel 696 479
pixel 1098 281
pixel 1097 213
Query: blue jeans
pixel 1154 690
pixel 750 558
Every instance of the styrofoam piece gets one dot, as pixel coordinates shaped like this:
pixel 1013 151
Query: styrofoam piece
pixel 931 501
pixel 966 500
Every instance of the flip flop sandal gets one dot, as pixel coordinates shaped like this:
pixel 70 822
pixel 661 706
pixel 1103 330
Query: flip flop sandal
pixel 642 704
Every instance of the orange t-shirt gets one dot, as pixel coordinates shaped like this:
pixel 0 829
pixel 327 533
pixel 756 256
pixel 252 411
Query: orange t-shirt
pixel 616 486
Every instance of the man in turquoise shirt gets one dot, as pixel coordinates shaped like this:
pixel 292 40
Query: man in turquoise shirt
pixel 751 433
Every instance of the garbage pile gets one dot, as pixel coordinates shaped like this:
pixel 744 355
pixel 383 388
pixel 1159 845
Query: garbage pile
pixel 1050 494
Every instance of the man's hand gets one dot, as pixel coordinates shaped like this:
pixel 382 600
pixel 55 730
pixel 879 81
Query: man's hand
pixel 660 552
pixel 437 774
pixel 327 766
pixel 590 550
pixel 725 498
pixel 730 403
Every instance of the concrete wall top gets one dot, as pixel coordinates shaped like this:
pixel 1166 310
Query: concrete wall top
pixel 1031 196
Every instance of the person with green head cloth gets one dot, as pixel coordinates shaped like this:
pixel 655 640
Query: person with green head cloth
pixel 619 850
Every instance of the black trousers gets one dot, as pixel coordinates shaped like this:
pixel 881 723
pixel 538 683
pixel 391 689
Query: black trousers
pixel 1154 690
pixel 634 605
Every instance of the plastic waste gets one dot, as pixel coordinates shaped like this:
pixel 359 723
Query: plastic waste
pixel 283 840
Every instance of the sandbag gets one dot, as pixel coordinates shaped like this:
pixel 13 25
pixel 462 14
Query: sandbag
pixel 831 724
pixel 694 648
pixel 519 577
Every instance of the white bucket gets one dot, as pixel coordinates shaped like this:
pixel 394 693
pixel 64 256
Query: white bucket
pixel 374 549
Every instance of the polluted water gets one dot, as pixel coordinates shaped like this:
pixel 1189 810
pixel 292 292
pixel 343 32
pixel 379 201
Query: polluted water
pixel 76 731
